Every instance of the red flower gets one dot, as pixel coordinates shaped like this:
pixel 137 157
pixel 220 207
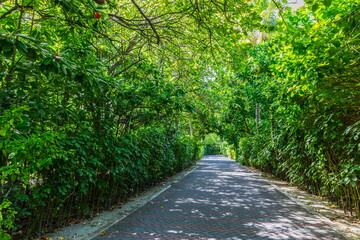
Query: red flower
pixel 97 15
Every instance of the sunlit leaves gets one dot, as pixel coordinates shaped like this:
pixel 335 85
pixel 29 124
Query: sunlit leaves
pixel 306 79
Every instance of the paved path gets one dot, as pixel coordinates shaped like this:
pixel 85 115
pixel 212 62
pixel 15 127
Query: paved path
pixel 221 200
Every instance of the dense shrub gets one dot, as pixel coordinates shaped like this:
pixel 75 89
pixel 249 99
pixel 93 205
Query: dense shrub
pixel 306 84
pixel 49 178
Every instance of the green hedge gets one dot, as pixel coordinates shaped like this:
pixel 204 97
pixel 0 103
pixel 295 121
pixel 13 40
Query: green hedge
pixel 49 178
pixel 325 165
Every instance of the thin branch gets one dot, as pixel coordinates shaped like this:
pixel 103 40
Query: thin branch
pixel 10 11
pixel 148 20
pixel 128 67
pixel 280 11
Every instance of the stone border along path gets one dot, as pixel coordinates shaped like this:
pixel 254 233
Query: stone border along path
pixel 218 200
pixel 90 228
pixel 346 223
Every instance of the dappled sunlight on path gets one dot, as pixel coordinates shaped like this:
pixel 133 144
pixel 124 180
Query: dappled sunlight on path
pixel 221 200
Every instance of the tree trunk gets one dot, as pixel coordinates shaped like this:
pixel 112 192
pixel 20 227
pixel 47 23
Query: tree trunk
pixel 257 112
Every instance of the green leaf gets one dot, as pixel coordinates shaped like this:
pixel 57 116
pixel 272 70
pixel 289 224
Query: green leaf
pixel 21 47
pixel 3 132
pixel 27 37
pixel 47 61
pixel 63 69
pixel 315 7
pixel 7 47
pixel 327 3
pixel 20 93
pixel 337 43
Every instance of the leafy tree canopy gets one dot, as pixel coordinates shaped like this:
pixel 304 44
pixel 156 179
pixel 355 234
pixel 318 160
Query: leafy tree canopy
pixel 100 95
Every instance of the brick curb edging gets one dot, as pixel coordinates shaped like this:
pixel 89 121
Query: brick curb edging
pixel 289 195
pixel 90 228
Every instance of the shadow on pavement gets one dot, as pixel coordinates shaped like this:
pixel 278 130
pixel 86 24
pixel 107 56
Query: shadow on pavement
pixel 221 200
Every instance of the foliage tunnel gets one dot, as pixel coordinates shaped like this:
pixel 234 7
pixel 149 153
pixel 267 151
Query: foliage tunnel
pixel 101 99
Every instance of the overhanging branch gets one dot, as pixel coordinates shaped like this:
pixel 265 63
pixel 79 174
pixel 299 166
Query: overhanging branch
pixel 148 20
